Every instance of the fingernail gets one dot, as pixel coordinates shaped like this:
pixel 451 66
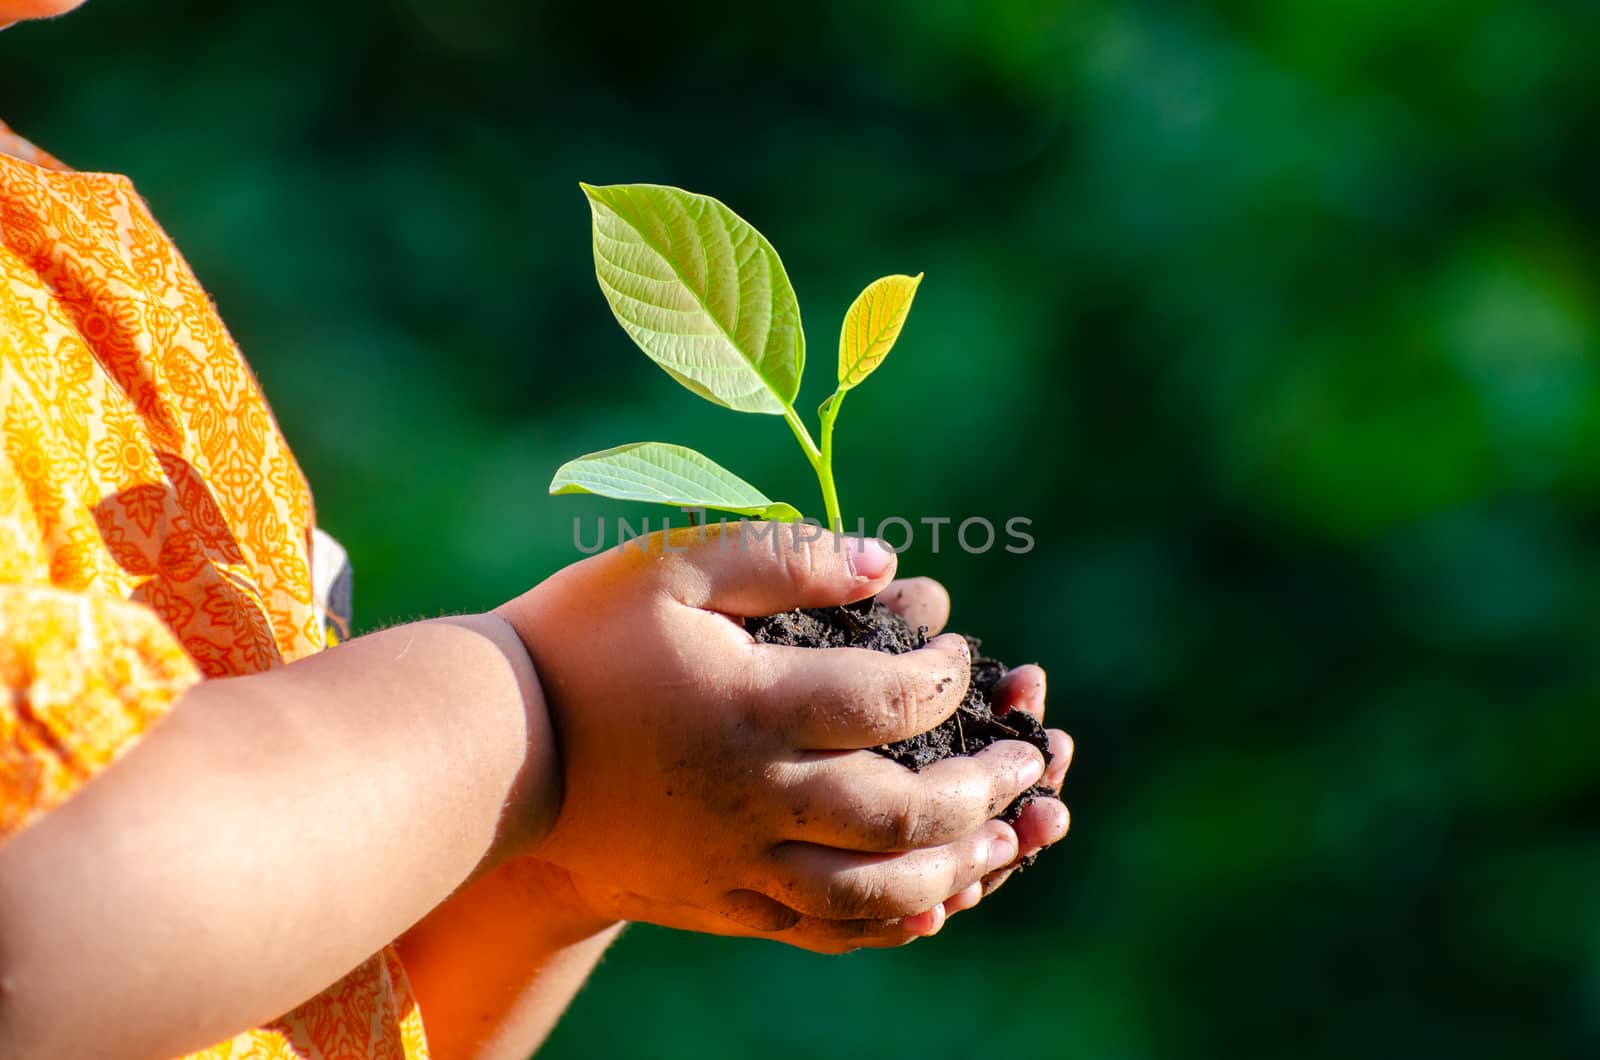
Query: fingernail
pixel 868 557
pixel 1032 771
pixel 1002 850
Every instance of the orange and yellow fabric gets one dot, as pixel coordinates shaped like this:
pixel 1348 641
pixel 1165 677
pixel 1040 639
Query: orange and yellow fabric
pixel 155 530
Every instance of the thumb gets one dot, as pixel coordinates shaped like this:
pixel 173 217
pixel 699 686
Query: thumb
pixel 751 569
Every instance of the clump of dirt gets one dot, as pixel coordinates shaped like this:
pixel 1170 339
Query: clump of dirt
pixel 974 725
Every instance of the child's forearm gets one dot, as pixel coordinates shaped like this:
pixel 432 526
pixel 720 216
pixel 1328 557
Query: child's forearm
pixel 494 967
pixel 269 835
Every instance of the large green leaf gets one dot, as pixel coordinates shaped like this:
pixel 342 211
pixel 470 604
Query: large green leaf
pixel 702 292
pixel 871 326
pixel 666 474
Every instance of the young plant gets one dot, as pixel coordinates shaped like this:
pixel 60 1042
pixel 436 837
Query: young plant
pixel 704 295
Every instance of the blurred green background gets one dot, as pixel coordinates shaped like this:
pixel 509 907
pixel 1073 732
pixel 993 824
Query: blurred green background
pixel 1280 320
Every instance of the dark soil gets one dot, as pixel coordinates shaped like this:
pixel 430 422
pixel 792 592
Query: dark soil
pixel 974 725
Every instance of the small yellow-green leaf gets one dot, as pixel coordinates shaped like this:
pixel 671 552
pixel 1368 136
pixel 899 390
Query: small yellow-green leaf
pixel 872 325
pixel 661 473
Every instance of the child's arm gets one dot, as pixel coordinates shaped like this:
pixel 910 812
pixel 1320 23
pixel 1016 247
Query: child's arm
pixel 494 967
pixel 267 836
pixel 275 830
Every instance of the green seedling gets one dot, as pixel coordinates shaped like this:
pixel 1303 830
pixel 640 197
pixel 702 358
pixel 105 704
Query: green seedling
pixel 704 295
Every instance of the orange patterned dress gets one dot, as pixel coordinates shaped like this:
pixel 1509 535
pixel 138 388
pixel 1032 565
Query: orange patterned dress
pixel 154 529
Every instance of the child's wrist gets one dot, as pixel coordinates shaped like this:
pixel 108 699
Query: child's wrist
pixel 535 798
pixel 565 915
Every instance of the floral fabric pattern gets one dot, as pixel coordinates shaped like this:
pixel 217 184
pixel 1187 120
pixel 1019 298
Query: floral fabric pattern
pixel 155 530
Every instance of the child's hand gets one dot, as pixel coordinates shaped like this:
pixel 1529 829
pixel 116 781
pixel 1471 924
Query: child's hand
pixel 715 784
pixel 923 602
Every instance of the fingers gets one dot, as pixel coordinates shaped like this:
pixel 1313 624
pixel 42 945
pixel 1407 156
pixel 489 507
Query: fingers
pixel 848 698
pixel 1061 748
pixel 749 915
pixel 842 885
pixel 920 601
pixel 755 915
pixel 964 899
pixel 925 924
pixel 757 912
pixel 1020 689
pixel 869 803
pixel 753 569
pixel 1024 689
pixel 821 935
pixel 1043 823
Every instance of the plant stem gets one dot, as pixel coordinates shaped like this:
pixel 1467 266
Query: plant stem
pixel 821 461
pixel 813 454
pixel 830 496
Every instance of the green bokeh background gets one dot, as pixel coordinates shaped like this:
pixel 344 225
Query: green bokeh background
pixel 1281 321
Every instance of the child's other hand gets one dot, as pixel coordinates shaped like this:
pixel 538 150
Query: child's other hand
pixel 716 784
pixel 924 602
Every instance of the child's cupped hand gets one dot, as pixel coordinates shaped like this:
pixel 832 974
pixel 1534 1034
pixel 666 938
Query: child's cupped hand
pixel 720 785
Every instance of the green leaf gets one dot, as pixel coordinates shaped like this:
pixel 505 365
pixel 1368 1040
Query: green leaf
pixel 872 325
pixel 665 474
pixel 702 293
